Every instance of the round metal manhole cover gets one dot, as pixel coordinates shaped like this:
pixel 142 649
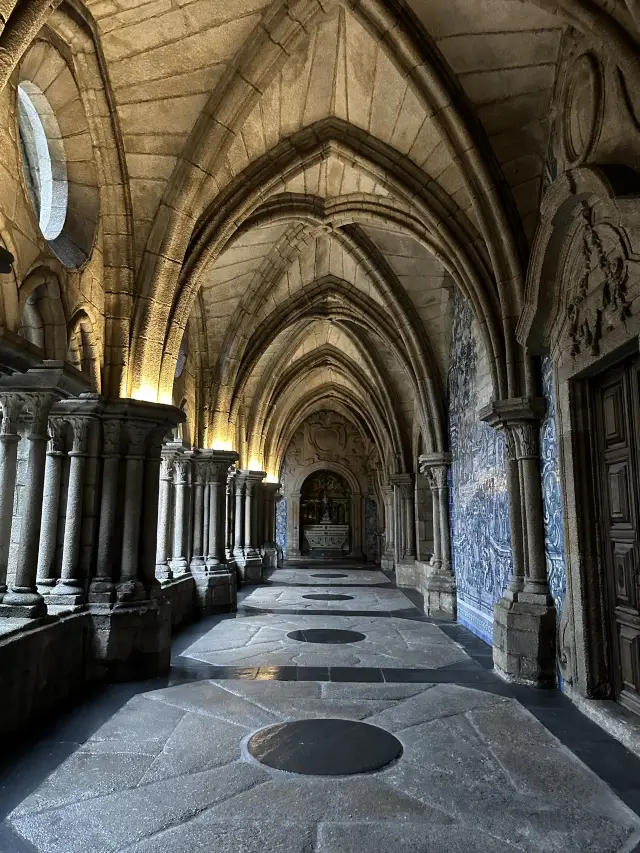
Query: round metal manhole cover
pixel 329 575
pixel 325 747
pixel 326 635
pixel 327 596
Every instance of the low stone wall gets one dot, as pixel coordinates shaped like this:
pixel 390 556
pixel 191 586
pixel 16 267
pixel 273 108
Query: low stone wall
pixel 48 662
pixel 180 592
pixel 42 667
pixel 406 575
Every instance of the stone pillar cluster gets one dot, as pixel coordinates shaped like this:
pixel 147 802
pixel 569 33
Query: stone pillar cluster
pixel 440 585
pixel 248 535
pixel 192 529
pixel 524 619
pixel 79 489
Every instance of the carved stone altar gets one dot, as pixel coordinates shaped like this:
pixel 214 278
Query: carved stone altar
pixel 326 540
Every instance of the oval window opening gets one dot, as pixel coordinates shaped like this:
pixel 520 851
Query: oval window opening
pixel 43 159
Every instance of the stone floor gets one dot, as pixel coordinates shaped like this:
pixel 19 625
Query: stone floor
pixel 164 765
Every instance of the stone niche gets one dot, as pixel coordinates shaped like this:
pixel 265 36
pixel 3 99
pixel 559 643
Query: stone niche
pixel 328 444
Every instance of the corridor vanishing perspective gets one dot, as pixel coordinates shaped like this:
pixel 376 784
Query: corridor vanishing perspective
pixel 319 425
pixel 204 760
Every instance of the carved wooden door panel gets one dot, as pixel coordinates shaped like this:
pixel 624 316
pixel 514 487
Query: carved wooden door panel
pixel 617 413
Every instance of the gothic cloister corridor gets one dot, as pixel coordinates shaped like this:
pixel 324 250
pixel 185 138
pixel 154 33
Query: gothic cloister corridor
pixel 319 426
pixel 164 766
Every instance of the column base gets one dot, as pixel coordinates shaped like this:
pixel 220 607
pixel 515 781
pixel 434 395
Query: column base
pixel 270 558
pixel 440 597
pixel 24 604
pixel 251 570
pixel 216 592
pixel 163 572
pixel 66 593
pixel 197 564
pixel 131 642
pixel 179 566
pixel 524 635
pixel 44 586
pixel 129 592
pixel 101 591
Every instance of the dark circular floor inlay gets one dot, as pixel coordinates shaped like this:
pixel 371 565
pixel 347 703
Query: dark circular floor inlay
pixel 328 596
pixel 329 575
pixel 324 747
pixel 326 635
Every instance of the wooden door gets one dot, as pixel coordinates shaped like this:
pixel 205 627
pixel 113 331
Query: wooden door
pixel 617 428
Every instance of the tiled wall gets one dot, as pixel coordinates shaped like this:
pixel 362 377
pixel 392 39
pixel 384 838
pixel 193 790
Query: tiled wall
pixel 551 499
pixel 481 542
pixel 281 523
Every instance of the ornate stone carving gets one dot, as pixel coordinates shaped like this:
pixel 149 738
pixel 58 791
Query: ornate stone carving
pixel 12 405
pixel 111 437
pixel 57 436
pixel 525 435
pixel 38 406
pixel 180 470
pixel 80 430
pixel 599 298
pixel 136 435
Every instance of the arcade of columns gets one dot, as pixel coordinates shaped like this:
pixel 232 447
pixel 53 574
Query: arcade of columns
pixel 137 513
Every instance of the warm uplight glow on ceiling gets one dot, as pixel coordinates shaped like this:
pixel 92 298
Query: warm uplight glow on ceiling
pixel 254 465
pixel 222 444
pixel 271 478
pixel 146 392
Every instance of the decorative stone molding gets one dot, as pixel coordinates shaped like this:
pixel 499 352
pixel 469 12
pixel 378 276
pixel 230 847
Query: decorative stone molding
pixel 585 251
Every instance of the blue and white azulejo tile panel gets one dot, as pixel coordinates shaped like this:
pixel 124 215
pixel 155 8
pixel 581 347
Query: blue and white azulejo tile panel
pixel 481 544
pixel 281 523
pixel 551 497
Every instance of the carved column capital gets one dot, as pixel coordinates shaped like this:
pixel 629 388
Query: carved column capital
pixel 80 432
pixel 180 470
pixel 38 405
pixel 12 406
pixel 136 433
pixel 57 436
pixel 111 433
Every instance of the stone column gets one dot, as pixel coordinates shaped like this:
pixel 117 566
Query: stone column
pixel 405 513
pixel 293 527
pixel 252 568
pixel 150 506
pixel 524 626
pixel 440 592
pixel 11 405
pixel 163 570
pixel 197 564
pixel 270 558
pixel 47 575
pixel 23 599
pixel 216 586
pixel 410 518
pixel 387 560
pixel 206 515
pixel 230 524
pixel 238 518
pixel 70 587
pixel 179 565
pixel 102 587
pixel 130 588
pixel 220 463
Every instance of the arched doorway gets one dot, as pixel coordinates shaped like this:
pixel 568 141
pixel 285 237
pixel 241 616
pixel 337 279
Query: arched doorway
pixel 325 528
